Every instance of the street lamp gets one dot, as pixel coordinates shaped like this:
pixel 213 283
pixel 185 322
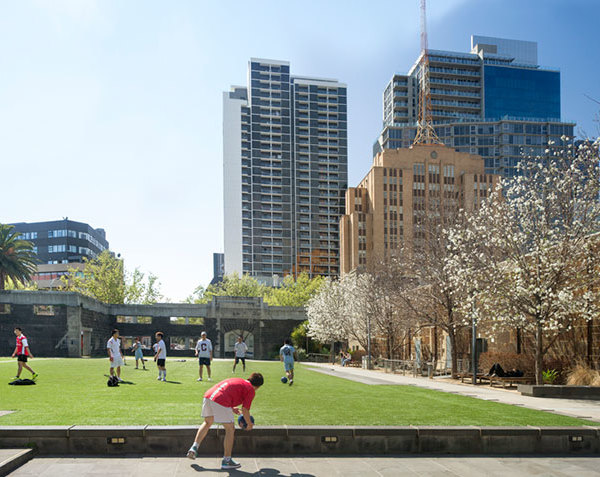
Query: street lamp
pixel 474 343
pixel 368 341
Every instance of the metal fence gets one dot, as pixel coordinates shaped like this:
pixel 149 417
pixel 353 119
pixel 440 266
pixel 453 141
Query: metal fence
pixel 423 368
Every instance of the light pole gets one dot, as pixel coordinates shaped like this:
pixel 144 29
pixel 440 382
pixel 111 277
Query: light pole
pixel 474 344
pixel 368 341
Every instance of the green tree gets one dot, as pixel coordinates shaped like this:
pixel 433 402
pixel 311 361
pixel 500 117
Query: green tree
pixel 17 258
pixel 232 285
pixel 294 292
pixel 105 279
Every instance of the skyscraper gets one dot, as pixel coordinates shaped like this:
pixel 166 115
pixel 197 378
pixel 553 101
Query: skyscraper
pixel 495 101
pixel 285 158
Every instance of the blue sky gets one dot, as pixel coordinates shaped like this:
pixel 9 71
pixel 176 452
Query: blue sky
pixel 110 111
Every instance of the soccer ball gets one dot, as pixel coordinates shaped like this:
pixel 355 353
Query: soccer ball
pixel 284 380
pixel 242 421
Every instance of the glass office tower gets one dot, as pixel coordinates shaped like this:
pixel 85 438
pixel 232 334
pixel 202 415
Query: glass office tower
pixel 495 101
pixel 285 173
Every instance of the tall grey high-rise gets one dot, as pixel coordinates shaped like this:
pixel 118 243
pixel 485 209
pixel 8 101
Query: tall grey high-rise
pixel 285 161
pixel 495 101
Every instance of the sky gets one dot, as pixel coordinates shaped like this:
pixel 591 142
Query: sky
pixel 111 110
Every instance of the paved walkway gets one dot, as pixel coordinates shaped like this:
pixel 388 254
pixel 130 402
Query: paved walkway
pixel 313 467
pixel 584 409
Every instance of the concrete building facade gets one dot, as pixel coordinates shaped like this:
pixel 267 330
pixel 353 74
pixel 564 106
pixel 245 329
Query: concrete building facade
pixel 384 211
pixel 285 173
pixel 61 245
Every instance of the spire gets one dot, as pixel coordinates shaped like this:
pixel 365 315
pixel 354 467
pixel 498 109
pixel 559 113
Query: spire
pixel 425 131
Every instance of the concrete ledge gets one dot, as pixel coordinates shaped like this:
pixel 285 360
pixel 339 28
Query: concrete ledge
pixel 560 392
pixel 284 440
pixel 12 459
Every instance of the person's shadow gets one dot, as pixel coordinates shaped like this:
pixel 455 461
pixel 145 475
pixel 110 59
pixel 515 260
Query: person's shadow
pixel 267 472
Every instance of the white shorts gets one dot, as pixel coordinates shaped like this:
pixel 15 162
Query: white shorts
pixel 116 362
pixel 221 414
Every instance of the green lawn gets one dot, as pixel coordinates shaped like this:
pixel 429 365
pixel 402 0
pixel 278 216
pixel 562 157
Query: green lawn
pixel 74 391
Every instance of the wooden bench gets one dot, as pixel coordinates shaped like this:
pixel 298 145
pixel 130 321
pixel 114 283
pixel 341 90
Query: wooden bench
pixel 480 377
pixel 354 364
pixel 511 380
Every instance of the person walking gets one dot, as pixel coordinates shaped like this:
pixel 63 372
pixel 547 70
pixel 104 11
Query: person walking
pixel 204 351
pixel 287 354
pixel 22 352
pixel 239 349
pixel 113 348
pixel 138 353
pixel 161 356
pixel 220 405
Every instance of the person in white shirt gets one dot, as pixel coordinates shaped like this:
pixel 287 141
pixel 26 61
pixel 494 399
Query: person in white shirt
pixel 204 351
pixel 239 350
pixel 113 347
pixel 161 356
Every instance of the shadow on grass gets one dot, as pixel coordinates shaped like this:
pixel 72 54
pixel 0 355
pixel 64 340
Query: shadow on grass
pixel 240 473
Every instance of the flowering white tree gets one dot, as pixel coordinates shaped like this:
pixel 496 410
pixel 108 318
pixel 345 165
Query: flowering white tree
pixel 326 312
pixel 527 257
pixel 339 310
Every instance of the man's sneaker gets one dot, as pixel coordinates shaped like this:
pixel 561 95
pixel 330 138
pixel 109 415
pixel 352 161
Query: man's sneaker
pixel 291 382
pixel 208 379
pixel 192 453
pixel 159 378
pixel 34 376
pixel 230 464
pixel 199 379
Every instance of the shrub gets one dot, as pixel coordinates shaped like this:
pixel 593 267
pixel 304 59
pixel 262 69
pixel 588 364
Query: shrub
pixel 358 354
pixel 581 375
pixel 550 375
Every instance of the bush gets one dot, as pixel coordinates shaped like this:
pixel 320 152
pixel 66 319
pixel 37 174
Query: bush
pixel 358 354
pixel 581 375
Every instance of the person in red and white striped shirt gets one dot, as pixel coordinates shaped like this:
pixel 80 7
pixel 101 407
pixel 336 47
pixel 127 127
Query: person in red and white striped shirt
pixel 22 352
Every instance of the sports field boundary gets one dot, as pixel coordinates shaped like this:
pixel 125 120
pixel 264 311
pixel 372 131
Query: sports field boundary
pixel 300 440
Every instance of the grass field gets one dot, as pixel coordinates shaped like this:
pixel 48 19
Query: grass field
pixel 74 391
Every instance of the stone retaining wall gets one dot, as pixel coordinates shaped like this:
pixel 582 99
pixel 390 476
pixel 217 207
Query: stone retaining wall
pixel 283 440
pixel 560 392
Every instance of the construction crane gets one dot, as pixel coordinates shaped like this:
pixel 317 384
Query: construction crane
pixel 425 131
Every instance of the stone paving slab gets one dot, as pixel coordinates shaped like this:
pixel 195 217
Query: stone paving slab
pixel 580 408
pixel 313 467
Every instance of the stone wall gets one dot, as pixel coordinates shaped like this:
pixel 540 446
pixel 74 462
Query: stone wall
pixel 69 324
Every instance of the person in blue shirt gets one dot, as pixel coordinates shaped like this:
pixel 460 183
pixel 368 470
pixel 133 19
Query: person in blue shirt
pixel 287 354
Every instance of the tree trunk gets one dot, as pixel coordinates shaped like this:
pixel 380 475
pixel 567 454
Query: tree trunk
pixel 539 380
pixel 1 280
pixel 453 357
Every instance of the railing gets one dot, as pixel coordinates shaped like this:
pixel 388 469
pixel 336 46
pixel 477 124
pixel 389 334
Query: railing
pixel 424 368
pixel 318 357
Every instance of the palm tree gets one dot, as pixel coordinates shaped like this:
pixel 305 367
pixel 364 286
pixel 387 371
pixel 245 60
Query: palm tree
pixel 17 258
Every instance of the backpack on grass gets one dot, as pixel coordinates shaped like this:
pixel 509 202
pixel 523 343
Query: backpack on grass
pixel 21 382
pixel 112 382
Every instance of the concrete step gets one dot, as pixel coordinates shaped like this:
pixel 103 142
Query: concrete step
pixel 11 459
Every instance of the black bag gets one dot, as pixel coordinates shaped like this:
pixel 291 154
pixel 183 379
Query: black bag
pixel 21 382
pixel 112 382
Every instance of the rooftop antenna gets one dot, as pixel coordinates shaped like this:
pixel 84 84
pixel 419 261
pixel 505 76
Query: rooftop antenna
pixel 425 131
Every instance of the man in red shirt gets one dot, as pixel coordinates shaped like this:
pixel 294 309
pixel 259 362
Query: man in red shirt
pixel 22 353
pixel 220 405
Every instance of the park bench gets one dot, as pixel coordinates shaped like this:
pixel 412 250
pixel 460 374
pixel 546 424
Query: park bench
pixel 511 380
pixel 480 377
